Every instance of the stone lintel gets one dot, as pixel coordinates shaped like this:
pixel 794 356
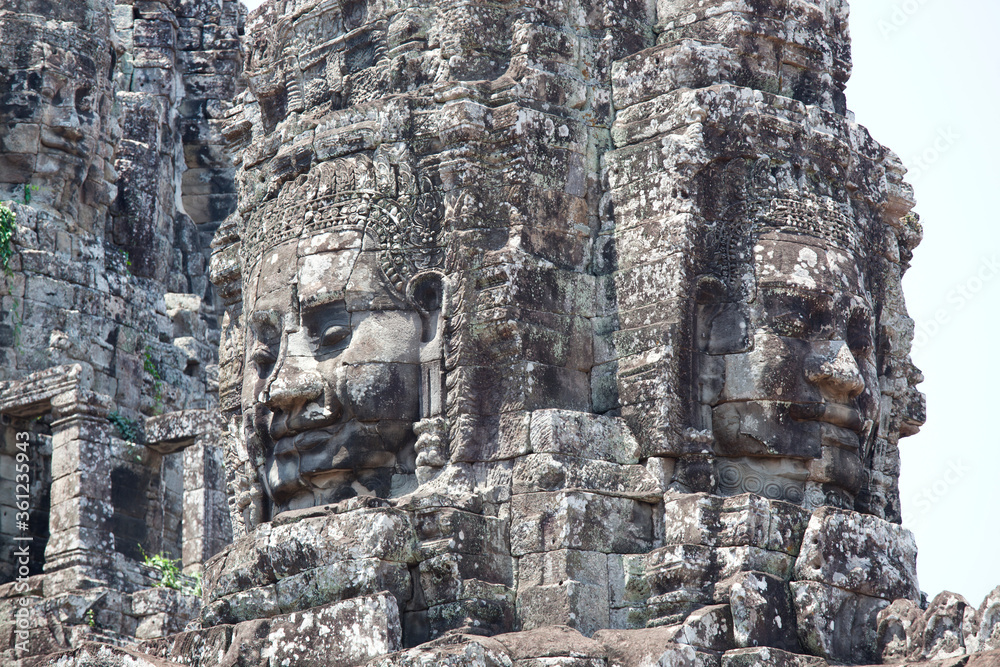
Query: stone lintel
pixel 173 431
pixel 34 394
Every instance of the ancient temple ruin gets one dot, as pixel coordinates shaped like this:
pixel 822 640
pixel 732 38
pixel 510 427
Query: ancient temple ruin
pixel 488 333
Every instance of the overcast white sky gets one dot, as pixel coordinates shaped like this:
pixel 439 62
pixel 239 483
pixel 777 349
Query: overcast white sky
pixel 927 84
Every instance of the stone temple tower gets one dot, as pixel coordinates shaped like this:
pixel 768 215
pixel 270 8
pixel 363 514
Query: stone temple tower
pixel 549 333
pixel 112 166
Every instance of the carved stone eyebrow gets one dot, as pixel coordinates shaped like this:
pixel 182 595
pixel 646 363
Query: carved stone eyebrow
pixel 313 308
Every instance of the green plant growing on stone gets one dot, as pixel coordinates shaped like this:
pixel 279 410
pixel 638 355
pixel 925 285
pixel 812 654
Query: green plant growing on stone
pixel 7 230
pixel 149 365
pixel 91 621
pixel 129 430
pixel 170 573
pixel 28 191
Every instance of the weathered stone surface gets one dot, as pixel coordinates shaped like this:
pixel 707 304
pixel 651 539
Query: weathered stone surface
pixel 582 435
pixel 899 631
pixel 172 431
pixel 768 657
pixel 745 520
pixel 196 647
pixel 652 646
pixel 946 623
pixel 554 641
pixel 579 520
pixel 553 472
pixel 988 659
pixel 836 624
pixel 455 650
pixel 490 280
pixel 568 587
pixel 988 636
pixel 343 633
pixel 859 553
pixel 762 612
pixel 91 654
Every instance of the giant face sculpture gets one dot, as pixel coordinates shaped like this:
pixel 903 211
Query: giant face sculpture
pixel 790 383
pixel 332 369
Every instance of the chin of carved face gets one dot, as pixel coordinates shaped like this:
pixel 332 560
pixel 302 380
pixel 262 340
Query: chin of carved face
pixel 333 392
pixel 791 377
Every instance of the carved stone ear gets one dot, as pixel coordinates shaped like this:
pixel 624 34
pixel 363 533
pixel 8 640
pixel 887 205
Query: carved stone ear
pixel 424 291
pixel 721 327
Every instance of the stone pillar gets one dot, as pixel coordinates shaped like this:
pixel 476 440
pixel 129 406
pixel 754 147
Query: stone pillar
pixel 207 528
pixel 80 550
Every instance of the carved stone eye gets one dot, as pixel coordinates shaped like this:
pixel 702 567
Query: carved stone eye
pixel 793 324
pixel 334 334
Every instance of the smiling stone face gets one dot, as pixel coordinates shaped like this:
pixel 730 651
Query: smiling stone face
pixel 331 387
pixel 791 380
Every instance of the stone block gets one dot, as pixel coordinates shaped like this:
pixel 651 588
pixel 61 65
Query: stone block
pixel 837 624
pixel 859 553
pixel 743 520
pixel 898 632
pixel 240 566
pixel 445 529
pixel 709 628
pixel 707 569
pixel 554 472
pixel 159 624
pixel 339 581
pixel 492 616
pixel 455 576
pixel 988 635
pixel 245 605
pixel 153 600
pixel 762 612
pixel 350 632
pixel 173 430
pixel 578 520
pixel 455 650
pixel 381 533
pixel 652 646
pixel 582 606
pixel 551 642
pixel 769 657
pixel 196 647
pixel 946 624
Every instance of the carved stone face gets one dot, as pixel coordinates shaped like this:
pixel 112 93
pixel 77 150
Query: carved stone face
pixel 331 380
pixel 793 394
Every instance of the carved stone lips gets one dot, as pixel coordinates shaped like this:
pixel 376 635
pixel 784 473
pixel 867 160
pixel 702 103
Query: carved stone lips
pixel 307 440
pixel 837 414
pixel 310 439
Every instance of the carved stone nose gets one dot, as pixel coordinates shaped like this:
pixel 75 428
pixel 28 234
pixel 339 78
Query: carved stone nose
pixel 837 372
pixel 293 386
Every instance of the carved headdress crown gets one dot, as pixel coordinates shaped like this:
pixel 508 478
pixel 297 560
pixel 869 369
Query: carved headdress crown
pixel 813 216
pixel 398 214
